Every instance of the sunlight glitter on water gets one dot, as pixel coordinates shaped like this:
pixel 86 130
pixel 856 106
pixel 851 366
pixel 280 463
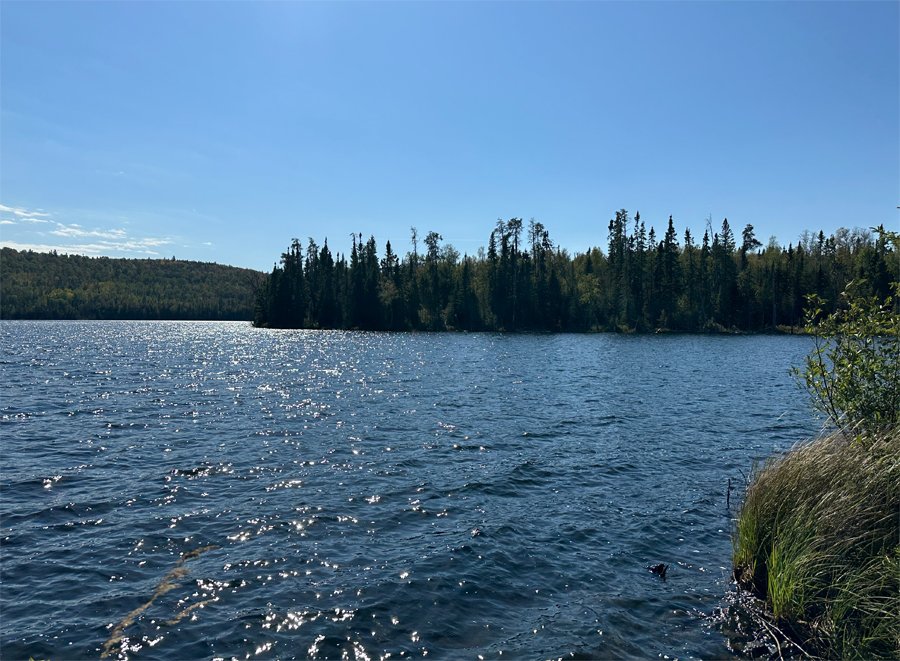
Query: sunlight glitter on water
pixel 376 494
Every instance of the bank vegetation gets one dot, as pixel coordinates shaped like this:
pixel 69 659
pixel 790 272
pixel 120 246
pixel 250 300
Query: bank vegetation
pixel 817 537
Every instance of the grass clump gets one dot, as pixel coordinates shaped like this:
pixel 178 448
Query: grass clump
pixel 818 538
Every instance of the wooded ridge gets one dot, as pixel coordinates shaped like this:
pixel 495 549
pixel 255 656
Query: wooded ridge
pixel 50 286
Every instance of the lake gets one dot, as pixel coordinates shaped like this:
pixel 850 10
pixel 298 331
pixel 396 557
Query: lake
pixel 373 495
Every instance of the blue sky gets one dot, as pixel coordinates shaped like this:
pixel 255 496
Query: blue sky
pixel 219 131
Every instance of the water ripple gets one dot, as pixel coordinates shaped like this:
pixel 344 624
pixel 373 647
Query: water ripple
pixel 374 495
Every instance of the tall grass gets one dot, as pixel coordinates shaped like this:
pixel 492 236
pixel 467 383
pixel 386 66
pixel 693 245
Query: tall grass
pixel 818 537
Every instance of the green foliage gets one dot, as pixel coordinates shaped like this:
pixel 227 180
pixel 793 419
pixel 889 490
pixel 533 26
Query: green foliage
pixel 818 533
pixel 818 537
pixel 50 286
pixel 522 281
pixel 853 374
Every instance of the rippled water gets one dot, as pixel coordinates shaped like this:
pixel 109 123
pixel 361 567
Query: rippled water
pixel 359 495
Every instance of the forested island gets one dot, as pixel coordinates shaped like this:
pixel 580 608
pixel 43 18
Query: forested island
pixel 52 286
pixel 523 281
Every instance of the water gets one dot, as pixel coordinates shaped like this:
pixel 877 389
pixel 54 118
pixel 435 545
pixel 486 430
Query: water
pixel 359 495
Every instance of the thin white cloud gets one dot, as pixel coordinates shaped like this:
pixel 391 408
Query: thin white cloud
pixel 141 246
pixel 134 245
pixel 24 214
pixel 44 247
pixel 96 241
pixel 73 230
pixel 207 243
pixel 150 242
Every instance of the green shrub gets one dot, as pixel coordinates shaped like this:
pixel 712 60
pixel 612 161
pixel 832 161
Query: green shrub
pixel 853 374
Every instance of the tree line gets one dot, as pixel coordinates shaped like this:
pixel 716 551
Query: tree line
pixel 523 281
pixel 51 286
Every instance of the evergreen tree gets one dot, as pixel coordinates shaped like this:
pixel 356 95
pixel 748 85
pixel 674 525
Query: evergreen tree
pixel 641 283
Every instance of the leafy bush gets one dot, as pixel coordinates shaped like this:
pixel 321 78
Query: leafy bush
pixel 853 374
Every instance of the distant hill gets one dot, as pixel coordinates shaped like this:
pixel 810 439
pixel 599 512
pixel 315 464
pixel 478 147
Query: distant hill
pixel 37 285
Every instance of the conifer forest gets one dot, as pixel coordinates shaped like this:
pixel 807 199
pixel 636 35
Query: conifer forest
pixel 524 282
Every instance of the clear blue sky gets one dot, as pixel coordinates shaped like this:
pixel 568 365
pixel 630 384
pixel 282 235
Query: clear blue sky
pixel 219 131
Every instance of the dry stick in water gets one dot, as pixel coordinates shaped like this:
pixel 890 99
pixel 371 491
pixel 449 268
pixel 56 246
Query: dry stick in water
pixel 166 584
pixel 769 626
